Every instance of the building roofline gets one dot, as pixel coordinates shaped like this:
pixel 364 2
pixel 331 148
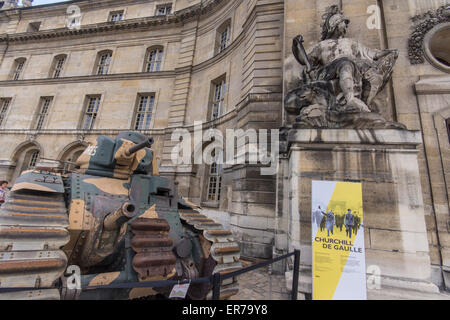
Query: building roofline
pixel 179 16
pixel 60 5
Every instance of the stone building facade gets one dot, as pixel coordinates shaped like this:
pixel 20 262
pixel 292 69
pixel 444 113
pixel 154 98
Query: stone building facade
pixel 71 71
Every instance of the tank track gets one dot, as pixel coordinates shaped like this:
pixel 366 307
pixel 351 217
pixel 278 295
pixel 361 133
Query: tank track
pixel 222 248
pixel 33 228
pixel 153 247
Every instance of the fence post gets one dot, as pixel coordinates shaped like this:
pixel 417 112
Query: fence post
pixel 294 292
pixel 216 286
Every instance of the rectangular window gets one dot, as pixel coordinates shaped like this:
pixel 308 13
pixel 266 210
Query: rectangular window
pixel 34 26
pixel 33 159
pixel 163 9
pixel 154 60
pixel 58 67
pixel 144 112
pixel 224 39
pixel 90 114
pixel 5 102
pixel 19 68
pixel 115 16
pixel 218 102
pixel 103 63
pixel 43 112
pixel 215 182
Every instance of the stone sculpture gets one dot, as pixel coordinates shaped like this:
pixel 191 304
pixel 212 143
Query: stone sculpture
pixel 27 3
pixel 9 4
pixel 340 80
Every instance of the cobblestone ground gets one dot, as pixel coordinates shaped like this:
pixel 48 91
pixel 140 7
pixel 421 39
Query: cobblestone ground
pixel 256 285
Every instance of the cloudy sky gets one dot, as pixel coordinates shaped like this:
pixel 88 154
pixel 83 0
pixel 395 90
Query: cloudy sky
pixel 38 2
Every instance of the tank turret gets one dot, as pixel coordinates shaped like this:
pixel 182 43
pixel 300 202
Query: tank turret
pixel 129 153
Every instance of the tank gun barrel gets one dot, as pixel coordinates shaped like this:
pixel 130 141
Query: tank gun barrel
pixel 116 219
pixel 146 144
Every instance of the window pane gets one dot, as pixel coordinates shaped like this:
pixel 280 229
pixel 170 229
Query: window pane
pixel 224 39
pixel 163 10
pixel 4 109
pixel 154 60
pixel 144 112
pixel 103 64
pixel 58 67
pixel 18 70
pixel 43 111
pixel 219 187
pixel 91 113
pixel 116 16
pixel 218 100
pixel 212 188
pixel 215 176
pixel 33 159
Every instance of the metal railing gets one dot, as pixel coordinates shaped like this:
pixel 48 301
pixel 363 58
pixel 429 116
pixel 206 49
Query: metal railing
pixel 215 279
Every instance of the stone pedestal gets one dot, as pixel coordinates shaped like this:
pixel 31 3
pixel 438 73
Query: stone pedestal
pixel 385 161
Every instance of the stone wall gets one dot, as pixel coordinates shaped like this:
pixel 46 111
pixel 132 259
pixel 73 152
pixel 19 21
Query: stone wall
pixel 385 162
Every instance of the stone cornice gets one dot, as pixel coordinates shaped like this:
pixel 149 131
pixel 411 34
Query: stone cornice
pixel 178 17
pixel 229 116
pixel 94 78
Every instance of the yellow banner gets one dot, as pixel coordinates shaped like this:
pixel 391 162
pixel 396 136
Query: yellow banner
pixel 338 241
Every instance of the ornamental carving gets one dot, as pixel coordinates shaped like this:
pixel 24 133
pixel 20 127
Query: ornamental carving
pixel 423 23
pixel 340 80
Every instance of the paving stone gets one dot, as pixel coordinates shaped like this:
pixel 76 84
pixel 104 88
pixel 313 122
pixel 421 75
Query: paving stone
pixel 255 285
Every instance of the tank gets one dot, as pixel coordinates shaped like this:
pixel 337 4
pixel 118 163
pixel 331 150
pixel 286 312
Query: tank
pixel 113 220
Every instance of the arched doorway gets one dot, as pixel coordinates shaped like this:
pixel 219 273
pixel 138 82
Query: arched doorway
pixel 25 157
pixel 68 157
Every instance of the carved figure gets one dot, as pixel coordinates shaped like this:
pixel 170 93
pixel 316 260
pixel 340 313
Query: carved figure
pixel 341 76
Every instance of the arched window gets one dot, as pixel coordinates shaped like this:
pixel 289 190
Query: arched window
pixel 57 66
pixel 18 68
pixel 153 59
pixel 215 173
pixel 223 36
pixel 103 62
pixel 69 156
pixel 215 182
pixel 25 157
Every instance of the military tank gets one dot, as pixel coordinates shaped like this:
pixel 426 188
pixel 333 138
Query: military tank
pixel 113 220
